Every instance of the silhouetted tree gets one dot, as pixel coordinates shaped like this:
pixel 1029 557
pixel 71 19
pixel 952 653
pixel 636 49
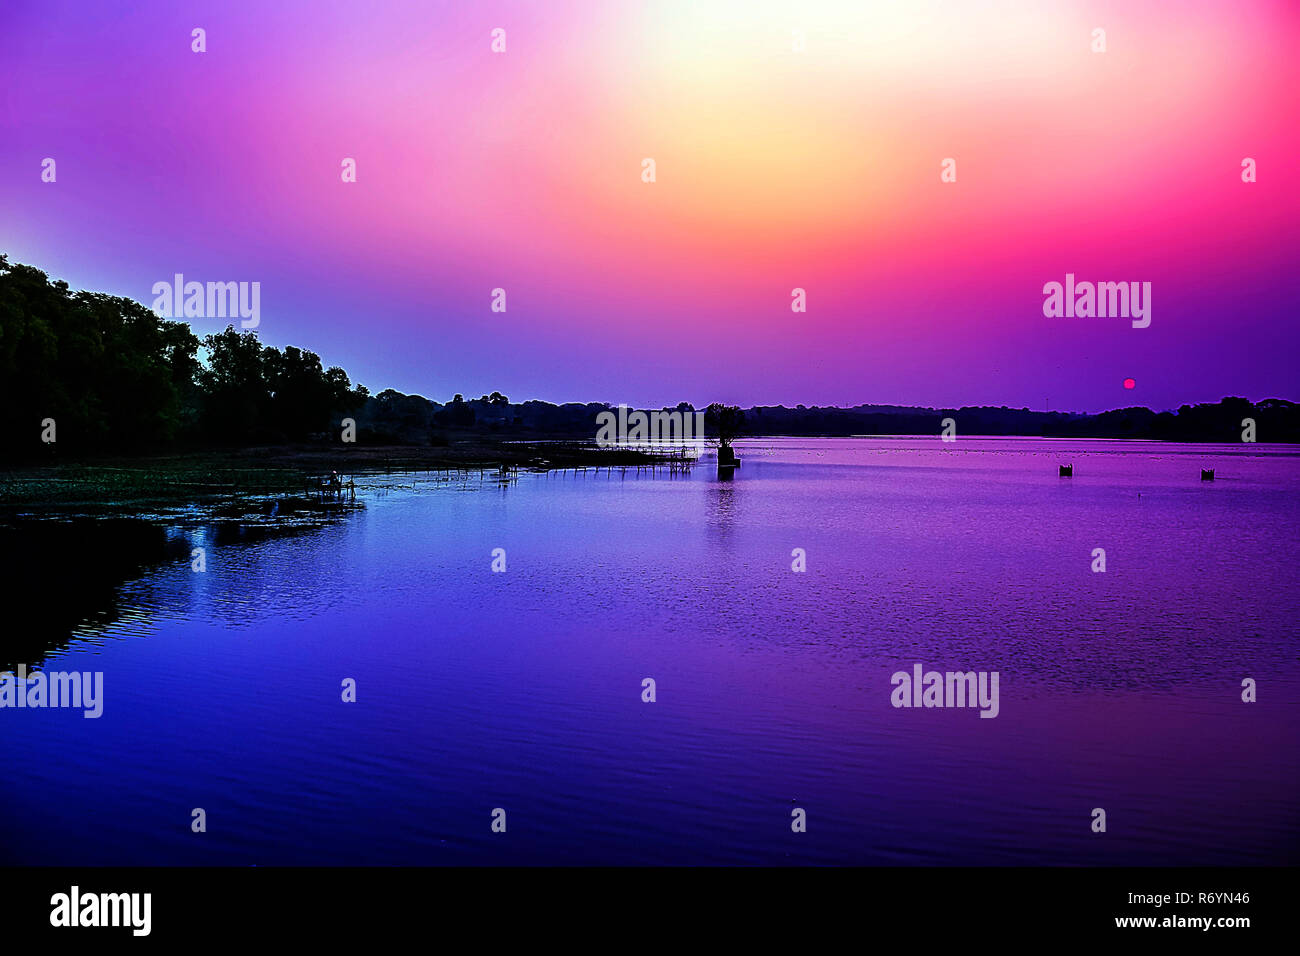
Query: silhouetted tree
pixel 107 370
pixel 726 422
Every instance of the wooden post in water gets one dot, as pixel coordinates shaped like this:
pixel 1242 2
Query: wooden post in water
pixel 727 462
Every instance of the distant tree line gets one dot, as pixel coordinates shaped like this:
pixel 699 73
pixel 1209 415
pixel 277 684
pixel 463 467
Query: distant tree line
pixel 394 417
pixel 1275 420
pixel 114 377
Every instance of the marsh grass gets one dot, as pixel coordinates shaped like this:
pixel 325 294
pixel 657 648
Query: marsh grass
pixel 207 476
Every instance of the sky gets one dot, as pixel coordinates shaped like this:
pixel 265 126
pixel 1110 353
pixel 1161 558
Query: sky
pixel 796 145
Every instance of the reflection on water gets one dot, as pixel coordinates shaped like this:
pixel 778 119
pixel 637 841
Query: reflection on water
pixel 723 505
pixel 67 572
pixel 61 575
pixel 522 689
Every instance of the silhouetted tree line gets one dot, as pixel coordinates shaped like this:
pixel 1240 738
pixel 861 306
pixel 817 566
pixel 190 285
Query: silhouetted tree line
pixel 1275 420
pixel 392 416
pixel 115 377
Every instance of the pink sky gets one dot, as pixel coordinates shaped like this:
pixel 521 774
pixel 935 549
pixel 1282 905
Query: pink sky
pixel 775 169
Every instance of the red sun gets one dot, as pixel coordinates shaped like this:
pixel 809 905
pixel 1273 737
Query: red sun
pixel 1130 383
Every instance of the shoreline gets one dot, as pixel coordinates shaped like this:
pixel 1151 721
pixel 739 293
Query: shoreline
pixel 207 475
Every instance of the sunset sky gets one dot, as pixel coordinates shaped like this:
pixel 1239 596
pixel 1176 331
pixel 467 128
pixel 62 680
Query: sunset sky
pixel 775 169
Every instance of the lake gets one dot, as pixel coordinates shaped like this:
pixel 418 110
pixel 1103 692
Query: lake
pixel 773 691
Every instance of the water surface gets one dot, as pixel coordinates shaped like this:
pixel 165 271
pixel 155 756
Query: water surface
pixel 522 690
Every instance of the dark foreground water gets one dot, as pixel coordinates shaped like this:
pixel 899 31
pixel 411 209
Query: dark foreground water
pixel 522 690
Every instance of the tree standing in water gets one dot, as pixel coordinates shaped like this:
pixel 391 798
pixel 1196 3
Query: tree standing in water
pixel 726 421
